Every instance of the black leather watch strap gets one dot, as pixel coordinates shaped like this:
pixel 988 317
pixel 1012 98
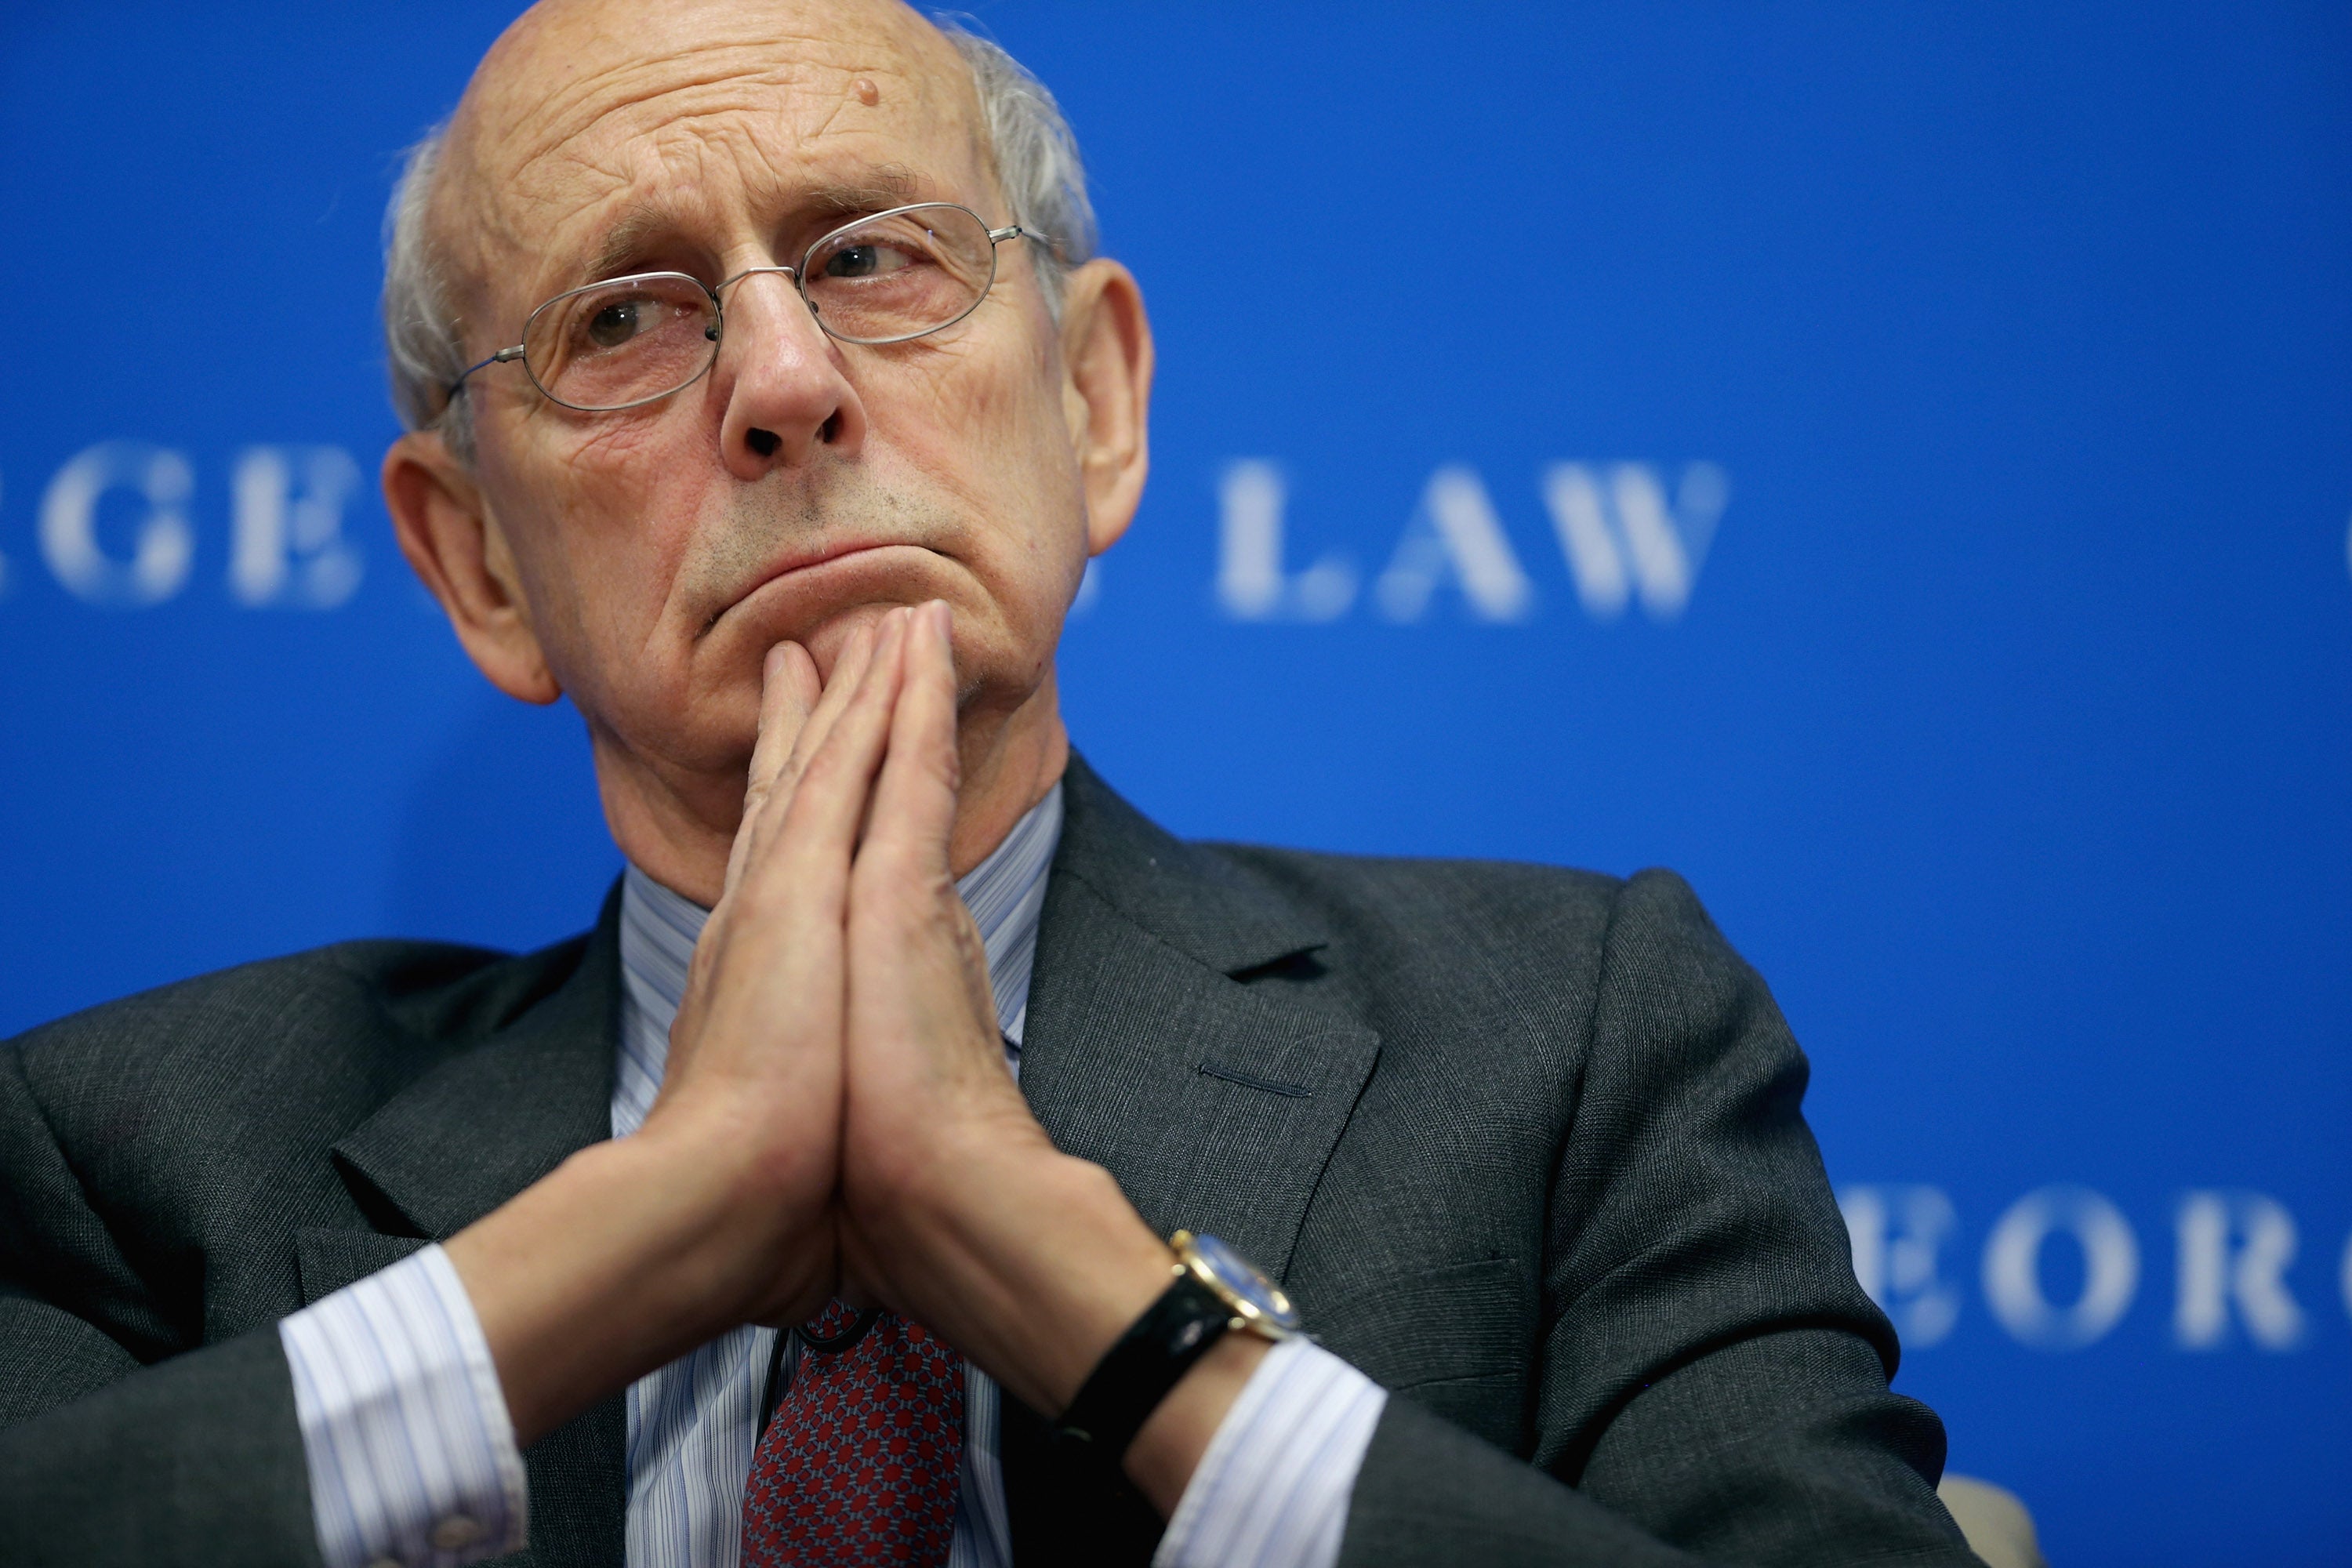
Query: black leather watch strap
pixel 1135 1374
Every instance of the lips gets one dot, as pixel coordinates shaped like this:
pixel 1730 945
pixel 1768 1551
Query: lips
pixel 783 574
pixel 819 557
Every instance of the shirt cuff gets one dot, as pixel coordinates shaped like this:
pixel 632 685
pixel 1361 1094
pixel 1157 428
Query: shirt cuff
pixel 411 1453
pixel 1272 1491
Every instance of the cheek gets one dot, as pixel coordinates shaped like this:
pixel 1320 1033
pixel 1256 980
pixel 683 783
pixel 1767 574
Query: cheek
pixel 1006 418
pixel 999 442
pixel 597 559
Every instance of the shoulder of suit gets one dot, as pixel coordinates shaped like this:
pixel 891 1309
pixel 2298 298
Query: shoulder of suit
pixel 1419 885
pixel 373 997
pixel 1499 906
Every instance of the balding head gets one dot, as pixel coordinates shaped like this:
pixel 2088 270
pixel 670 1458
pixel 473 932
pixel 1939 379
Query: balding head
pixel 450 212
pixel 644 558
pixel 582 101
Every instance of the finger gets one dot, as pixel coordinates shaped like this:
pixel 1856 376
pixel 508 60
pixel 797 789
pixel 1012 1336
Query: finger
pixel 829 800
pixel 915 799
pixel 760 829
pixel 841 743
pixel 789 691
pixel 786 911
pixel 848 668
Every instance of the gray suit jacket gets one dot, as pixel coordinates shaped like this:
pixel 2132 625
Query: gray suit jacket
pixel 1523 1144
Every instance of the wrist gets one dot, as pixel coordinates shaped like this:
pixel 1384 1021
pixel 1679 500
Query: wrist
pixel 624 1257
pixel 1106 1268
pixel 1155 1403
pixel 1170 1445
pixel 1033 1264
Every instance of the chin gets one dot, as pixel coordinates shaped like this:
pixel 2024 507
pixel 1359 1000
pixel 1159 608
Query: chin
pixel 826 640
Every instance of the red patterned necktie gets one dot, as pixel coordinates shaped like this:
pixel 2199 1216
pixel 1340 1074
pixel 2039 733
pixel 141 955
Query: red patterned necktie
pixel 861 1464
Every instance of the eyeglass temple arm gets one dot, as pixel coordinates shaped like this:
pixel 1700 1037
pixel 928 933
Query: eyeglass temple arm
pixel 504 356
pixel 1014 231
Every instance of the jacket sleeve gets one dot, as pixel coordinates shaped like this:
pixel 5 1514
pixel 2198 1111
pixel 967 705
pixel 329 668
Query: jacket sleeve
pixel 1712 1385
pixel 121 1444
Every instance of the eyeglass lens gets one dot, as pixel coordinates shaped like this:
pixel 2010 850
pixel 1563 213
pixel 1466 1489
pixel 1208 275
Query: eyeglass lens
pixel 884 279
pixel 623 342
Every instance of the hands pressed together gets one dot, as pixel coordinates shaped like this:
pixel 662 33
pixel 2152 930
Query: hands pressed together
pixel 836 1116
pixel 837 1028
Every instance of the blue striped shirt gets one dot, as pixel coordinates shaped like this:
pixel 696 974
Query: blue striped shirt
pixel 412 1461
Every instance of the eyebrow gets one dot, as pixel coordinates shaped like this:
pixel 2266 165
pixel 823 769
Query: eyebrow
pixel 644 221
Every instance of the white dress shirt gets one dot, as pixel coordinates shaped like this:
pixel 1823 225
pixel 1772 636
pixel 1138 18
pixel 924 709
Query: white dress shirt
pixel 413 1459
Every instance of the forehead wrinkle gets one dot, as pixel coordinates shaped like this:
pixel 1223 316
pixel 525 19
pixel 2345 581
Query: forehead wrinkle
pixel 583 96
pixel 613 152
pixel 645 219
pixel 547 135
pixel 663 190
pixel 779 162
pixel 747 72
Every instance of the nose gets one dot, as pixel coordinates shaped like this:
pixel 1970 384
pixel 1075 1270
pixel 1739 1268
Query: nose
pixel 781 378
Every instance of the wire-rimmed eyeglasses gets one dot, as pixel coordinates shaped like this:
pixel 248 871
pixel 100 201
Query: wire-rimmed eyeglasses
pixel 627 341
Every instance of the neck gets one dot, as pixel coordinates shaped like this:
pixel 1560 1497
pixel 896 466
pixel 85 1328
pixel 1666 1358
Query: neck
pixel 679 831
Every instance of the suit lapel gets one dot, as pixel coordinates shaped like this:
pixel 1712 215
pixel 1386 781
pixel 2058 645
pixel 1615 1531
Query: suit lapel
pixel 463 1139
pixel 499 1115
pixel 1215 1103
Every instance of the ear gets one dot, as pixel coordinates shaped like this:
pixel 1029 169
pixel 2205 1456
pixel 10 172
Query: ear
pixel 456 546
pixel 1107 356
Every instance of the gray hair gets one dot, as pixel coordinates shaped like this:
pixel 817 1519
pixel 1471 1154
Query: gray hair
pixel 1028 140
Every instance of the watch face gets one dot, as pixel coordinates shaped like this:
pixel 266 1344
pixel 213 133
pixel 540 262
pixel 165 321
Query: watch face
pixel 1236 1275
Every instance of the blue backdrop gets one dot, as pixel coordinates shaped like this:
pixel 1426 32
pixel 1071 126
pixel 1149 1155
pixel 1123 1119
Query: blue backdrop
pixel 1891 463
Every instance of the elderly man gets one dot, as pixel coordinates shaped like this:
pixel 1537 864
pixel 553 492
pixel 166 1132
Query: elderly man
pixel 766 399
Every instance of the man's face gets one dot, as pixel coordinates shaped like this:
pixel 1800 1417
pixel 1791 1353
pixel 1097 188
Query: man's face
pixel 803 483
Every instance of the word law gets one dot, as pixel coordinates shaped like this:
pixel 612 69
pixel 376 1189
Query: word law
pixel 1622 538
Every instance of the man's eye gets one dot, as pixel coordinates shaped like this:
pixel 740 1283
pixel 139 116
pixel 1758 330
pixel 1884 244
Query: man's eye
pixel 616 322
pixel 867 260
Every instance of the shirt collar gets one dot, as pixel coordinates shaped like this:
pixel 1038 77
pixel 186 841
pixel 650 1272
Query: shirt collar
pixel 1005 892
